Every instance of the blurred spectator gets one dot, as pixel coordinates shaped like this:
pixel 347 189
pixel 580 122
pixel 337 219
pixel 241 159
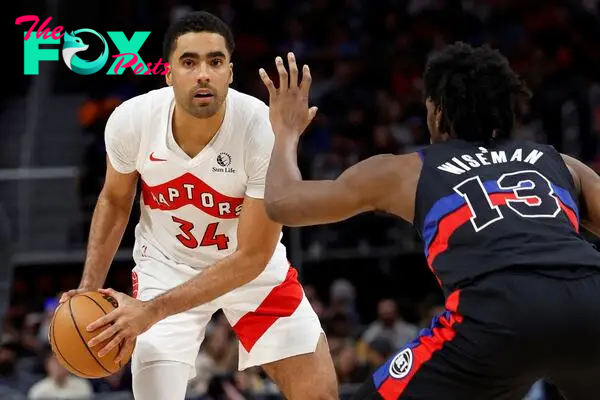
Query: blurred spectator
pixel 376 353
pixel 389 327
pixel 117 382
pixel 59 384
pixel 10 376
pixel 342 301
pixel 218 355
pixel 348 367
pixel 314 300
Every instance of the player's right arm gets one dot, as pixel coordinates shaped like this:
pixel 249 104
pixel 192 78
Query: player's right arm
pixel 587 184
pixel 380 183
pixel 113 208
pixel 109 221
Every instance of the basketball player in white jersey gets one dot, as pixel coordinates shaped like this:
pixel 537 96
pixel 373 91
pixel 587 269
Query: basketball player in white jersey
pixel 204 241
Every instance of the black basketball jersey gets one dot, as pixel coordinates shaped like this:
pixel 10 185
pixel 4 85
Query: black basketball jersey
pixel 481 209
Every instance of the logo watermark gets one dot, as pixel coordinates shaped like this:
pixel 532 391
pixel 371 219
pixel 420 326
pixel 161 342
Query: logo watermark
pixel 128 56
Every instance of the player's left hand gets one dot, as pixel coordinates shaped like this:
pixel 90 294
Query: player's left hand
pixel 129 320
pixel 288 105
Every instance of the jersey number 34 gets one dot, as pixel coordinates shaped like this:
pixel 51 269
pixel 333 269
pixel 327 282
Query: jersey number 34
pixel 210 237
pixel 527 193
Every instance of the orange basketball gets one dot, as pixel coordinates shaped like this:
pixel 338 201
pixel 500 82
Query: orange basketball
pixel 69 337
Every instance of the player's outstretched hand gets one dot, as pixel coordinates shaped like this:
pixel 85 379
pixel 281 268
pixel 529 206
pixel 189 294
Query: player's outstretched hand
pixel 288 105
pixel 129 320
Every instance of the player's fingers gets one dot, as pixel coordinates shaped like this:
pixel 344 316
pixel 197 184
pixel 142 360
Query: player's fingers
pixel 125 349
pixel 268 82
pixel 104 320
pixel 306 80
pixel 113 344
pixel 67 295
pixel 120 297
pixel 109 292
pixel 104 335
pixel 293 70
pixel 283 75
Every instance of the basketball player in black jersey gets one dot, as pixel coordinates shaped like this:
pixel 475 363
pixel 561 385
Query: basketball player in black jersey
pixel 500 220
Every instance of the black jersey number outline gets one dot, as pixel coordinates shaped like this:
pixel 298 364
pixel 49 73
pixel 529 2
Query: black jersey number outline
pixel 525 185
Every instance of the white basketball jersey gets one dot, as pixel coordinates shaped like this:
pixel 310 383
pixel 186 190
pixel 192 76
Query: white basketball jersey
pixel 190 207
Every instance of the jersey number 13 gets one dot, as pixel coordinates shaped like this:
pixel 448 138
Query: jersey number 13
pixel 527 193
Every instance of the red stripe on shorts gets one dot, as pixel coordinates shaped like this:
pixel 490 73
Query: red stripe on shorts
pixel 282 301
pixel 427 345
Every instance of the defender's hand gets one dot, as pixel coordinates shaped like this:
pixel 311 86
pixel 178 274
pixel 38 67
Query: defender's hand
pixel 129 320
pixel 288 105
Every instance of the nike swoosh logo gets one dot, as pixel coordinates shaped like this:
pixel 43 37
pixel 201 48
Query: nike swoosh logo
pixel 152 158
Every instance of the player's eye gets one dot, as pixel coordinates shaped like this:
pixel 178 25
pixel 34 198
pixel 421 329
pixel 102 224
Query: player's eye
pixel 187 62
pixel 216 62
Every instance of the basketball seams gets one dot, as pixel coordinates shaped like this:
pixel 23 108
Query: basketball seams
pixel 57 349
pixel 98 304
pixel 83 340
pixel 105 312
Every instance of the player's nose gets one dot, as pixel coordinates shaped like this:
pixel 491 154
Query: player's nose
pixel 202 73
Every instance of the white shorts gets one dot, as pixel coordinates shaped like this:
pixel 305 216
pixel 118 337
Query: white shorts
pixel 271 316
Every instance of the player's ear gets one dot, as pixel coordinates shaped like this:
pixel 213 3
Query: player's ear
pixel 168 77
pixel 230 73
pixel 168 73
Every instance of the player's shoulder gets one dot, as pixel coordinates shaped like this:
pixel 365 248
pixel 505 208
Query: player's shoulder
pixel 130 119
pixel 391 165
pixel 247 109
pixel 251 121
pixel 249 102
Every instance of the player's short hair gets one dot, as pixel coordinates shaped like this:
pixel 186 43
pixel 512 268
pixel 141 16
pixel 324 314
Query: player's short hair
pixel 476 90
pixel 197 21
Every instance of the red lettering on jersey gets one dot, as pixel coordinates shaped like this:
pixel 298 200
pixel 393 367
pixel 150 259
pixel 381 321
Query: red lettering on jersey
pixel 190 190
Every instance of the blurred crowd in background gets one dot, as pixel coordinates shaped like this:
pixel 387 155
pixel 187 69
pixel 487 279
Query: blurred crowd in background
pixel 366 58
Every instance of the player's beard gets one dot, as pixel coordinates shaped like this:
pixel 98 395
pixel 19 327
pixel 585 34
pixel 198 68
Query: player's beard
pixel 206 110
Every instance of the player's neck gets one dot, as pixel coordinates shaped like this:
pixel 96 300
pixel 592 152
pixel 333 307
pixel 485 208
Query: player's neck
pixel 199 130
